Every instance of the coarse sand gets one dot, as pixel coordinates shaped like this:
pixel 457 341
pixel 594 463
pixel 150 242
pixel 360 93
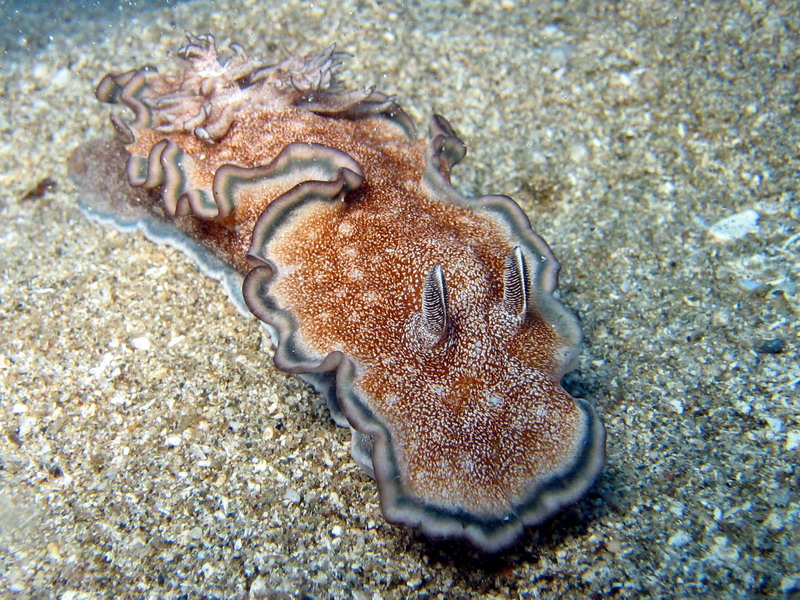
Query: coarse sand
pixel 149 449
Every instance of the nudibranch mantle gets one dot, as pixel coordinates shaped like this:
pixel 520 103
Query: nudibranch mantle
pixel 427 319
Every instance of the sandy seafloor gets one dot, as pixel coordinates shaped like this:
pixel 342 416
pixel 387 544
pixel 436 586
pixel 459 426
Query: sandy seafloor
pixel 149 449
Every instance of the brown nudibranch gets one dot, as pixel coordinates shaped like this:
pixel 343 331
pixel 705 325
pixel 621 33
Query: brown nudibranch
pixel 427 319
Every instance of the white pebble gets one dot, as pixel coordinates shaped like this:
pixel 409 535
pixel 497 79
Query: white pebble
pixel 723 551
pixel 141 343
pixel 736 226
pixel 292 496
pixel 105 361
pixel 258 589
pixel 61 78
pixel 41 70
pixel 676 405
pixel 578 153
pixel 74 595
pixel 25 426
pixel 792 440
pixel 776 425
pixel 679 539
pixel 173 441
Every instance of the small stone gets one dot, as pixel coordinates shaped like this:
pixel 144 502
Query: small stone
pixel 105 362
pixel 25 426
pixel 677 406
pixel 16 580
pixel 292 496
pixel 173 440
pixel 208 570
pixel 775 346
pixel 750 285
pixel 54 551
pixel 790 584
pixel 679 539
pixel 723 551
pixel 676 508
pixel 736 226
pixel 774 521
pixel 141 343
pixel 75 595
pixel 258 589
pixel 792 440
pixel 589 575
pixel 578 153
pixel 61 78
pixel 775 424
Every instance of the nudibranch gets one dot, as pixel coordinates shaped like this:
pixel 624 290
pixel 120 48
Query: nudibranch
pixel 427 319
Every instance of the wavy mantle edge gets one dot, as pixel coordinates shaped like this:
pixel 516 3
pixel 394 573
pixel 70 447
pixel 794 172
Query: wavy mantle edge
pixel 163 232
pixel 164 164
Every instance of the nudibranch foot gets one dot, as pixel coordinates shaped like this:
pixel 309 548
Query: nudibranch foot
pixel 426 319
